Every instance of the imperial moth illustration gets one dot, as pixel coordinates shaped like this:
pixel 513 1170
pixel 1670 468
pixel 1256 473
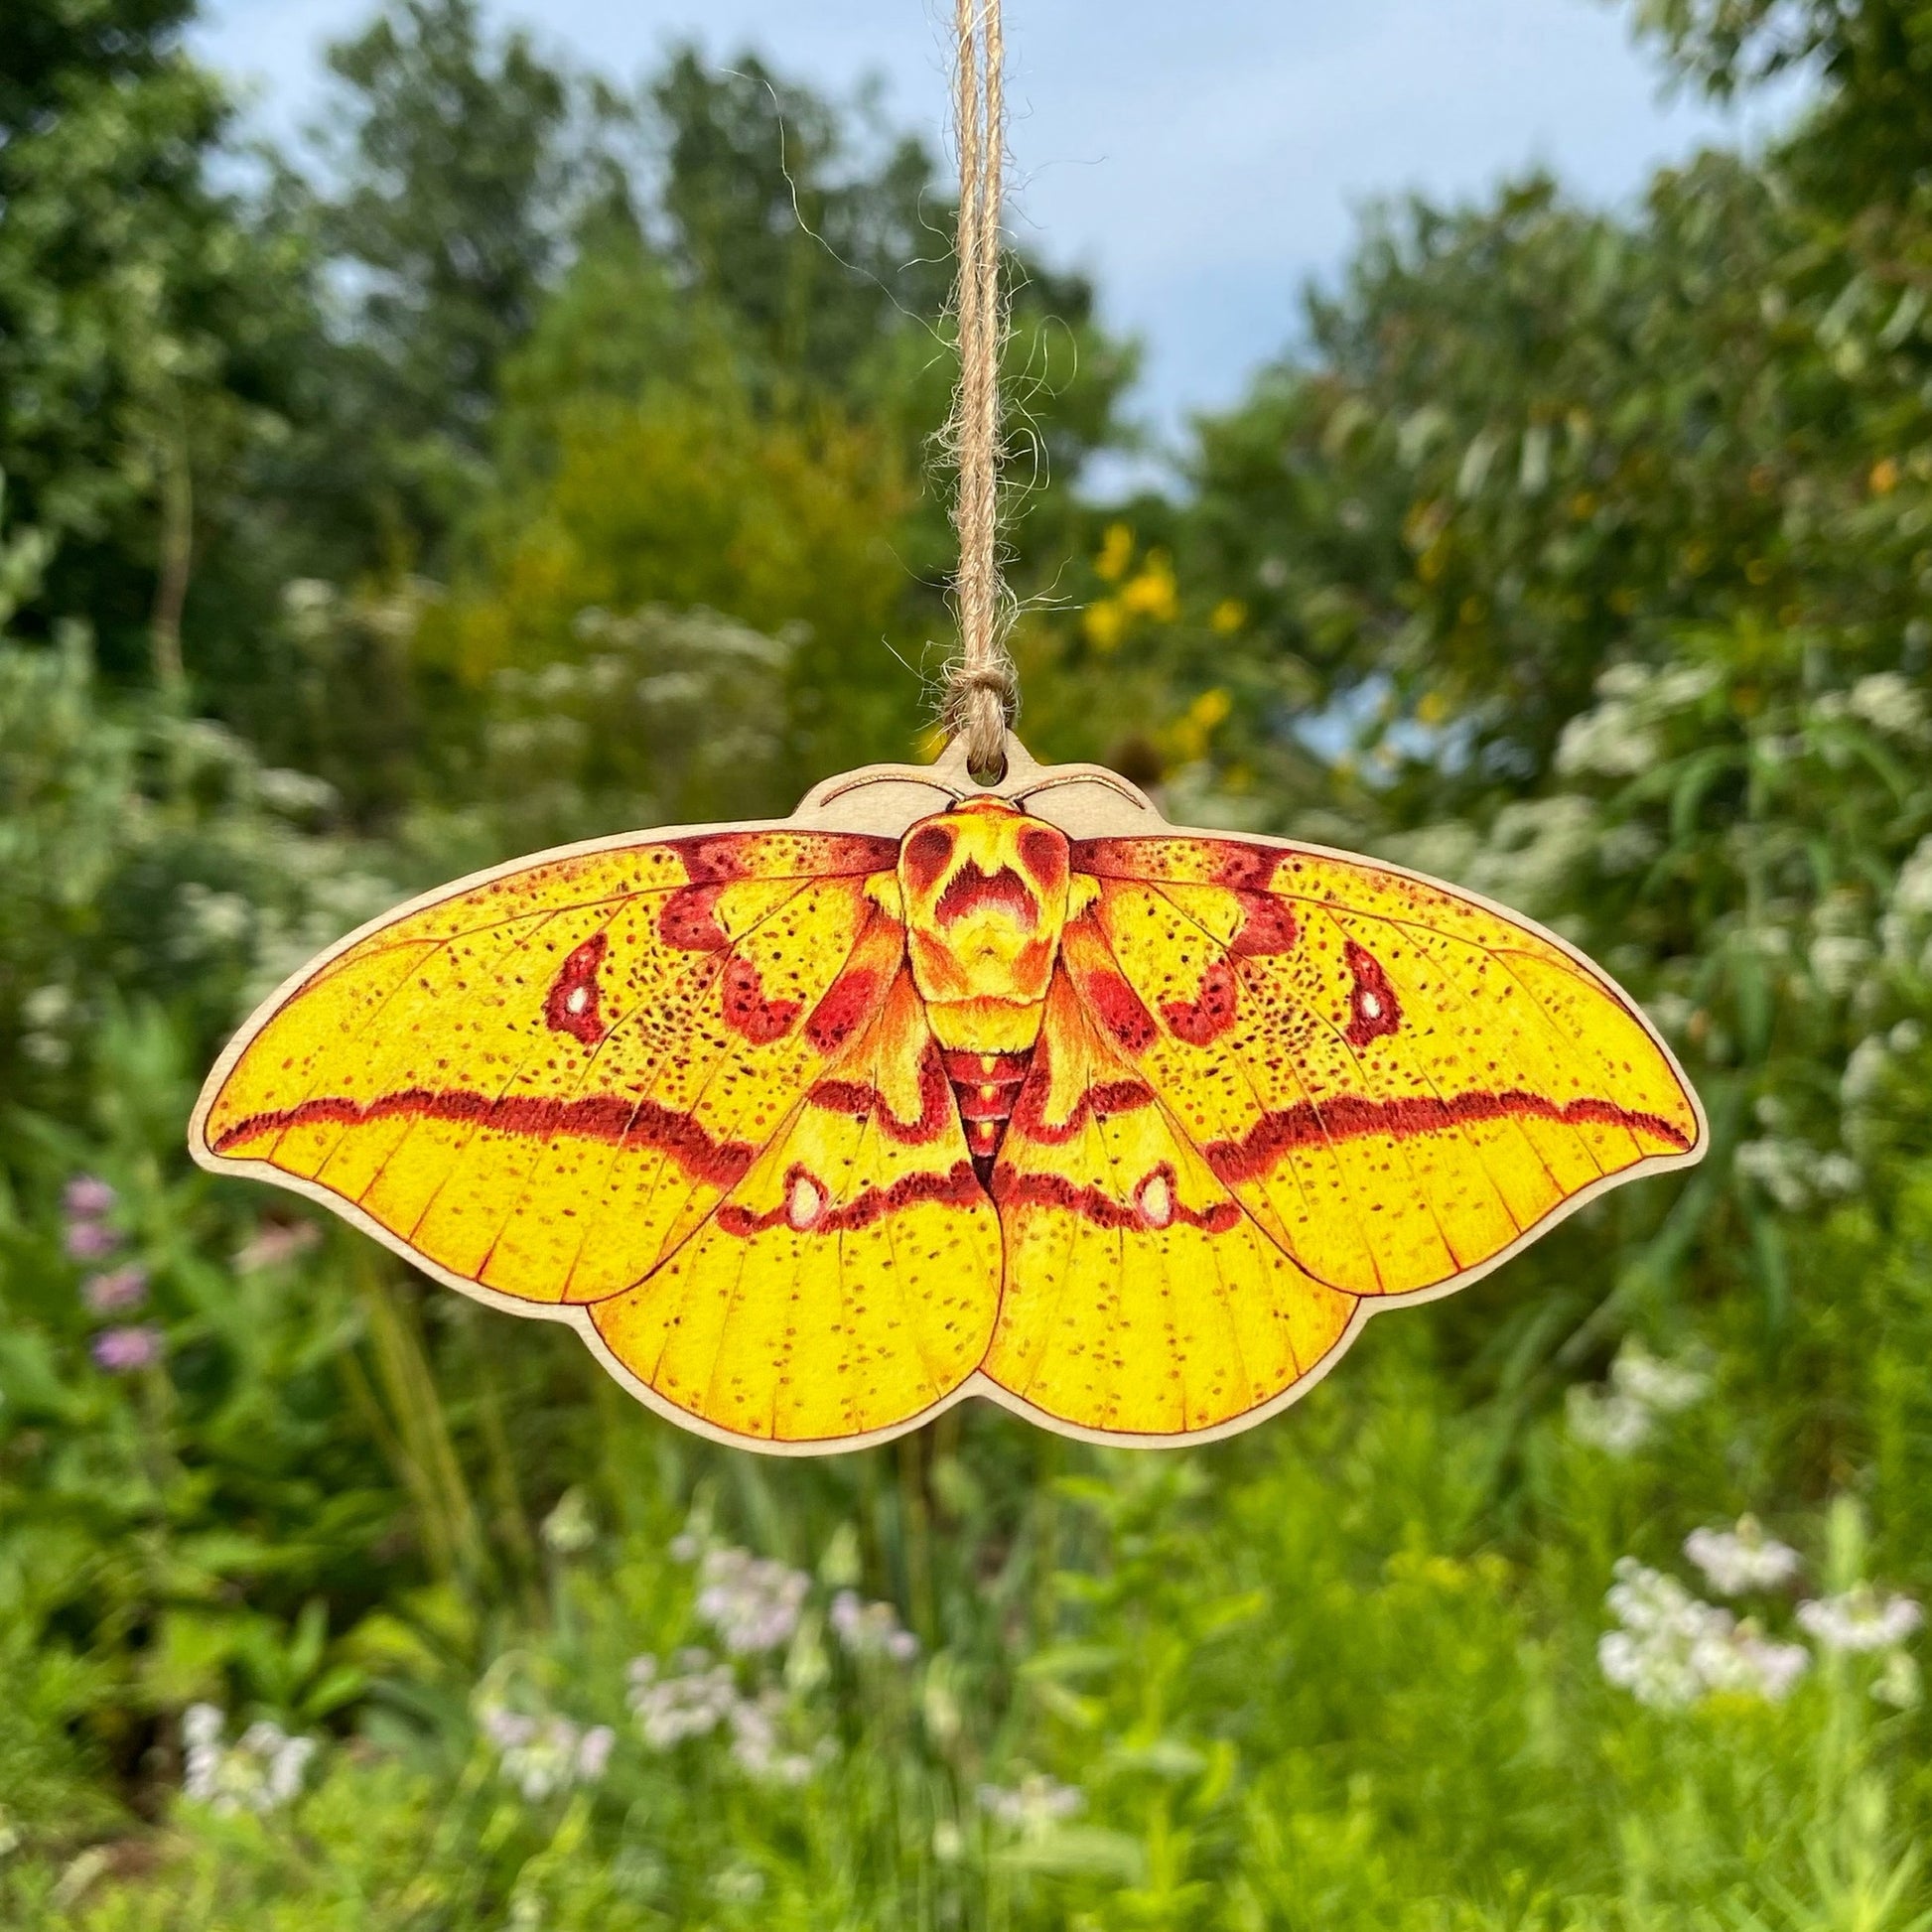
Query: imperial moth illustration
pixel 813 1131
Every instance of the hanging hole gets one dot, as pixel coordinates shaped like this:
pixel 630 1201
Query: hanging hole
pixel 990 774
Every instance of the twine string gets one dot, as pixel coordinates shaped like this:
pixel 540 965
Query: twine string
pixel 981 688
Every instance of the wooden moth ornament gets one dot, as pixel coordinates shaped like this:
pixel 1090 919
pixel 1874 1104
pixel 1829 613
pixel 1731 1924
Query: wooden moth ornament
pixel 813 1128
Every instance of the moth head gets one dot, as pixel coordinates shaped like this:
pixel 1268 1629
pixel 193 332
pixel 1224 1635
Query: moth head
pixel 985 888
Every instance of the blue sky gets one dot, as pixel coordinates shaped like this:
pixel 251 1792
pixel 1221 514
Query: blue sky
pixel 1201 157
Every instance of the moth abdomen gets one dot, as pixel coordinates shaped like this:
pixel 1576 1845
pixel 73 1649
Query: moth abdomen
pixel 986 1085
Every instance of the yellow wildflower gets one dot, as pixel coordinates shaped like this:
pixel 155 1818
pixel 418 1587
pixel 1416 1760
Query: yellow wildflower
pixel 1116 552
pixel 1152 592
pixel 1105 623
pixel 1210 708
pixel 1229 616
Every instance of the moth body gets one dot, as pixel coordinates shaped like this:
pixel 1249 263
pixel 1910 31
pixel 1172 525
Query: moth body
pixel 986 890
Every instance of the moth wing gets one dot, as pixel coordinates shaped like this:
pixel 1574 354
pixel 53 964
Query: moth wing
pixel 1140 1297
pixel 541 1082
pixel 1398 1081
pixel 849 1279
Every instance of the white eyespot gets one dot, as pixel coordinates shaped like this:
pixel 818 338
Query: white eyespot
pixel 578 998
pixel 1154 1199
pixel 805 1203
pixel 1371 1007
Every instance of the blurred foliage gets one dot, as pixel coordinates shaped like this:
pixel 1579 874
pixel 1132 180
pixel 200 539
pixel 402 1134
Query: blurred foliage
pixel 540 458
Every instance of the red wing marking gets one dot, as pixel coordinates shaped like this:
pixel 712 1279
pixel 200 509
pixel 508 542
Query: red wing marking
pixel 1120 1008
pixel 1100 1101
pixel 1373 1009
pixel 747 1011
pixel 860 1098
pixel 689 920
pixel 1206 1018
pixel 849 1000
pixel 595 1117
pixel 570 1007
pixel 720 857
pixel 804 1208
pixel 1350 1117
pixel 1155 1205
pixel 1241 867
pixel 1267 926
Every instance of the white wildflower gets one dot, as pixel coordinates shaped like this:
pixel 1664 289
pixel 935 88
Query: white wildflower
pixel 752 1602
pixel 1617 1424
pixel 570 1529
pixel 758 1747
pixel 1888 702
pixel 1748 1663
pixel 1839 961
pixel 542 1755
pixel 1535 852
pixel 1625 680
pixel 1781 1167
pixel 1738 1561
pixel 47 1006
pixel 1838 1173
pixel 1662 1386
pixel 294 794
pixel 691 1704
pixel 209 920
pixel 261 1771
pixel 1035 1806
pixel 1860 1620
pixel 1611 742
pixel 1682 686
pixel 1672 1649
pixel 870 1629
pixel 1656 1674
pixel 1864 1070
pixel 1911 893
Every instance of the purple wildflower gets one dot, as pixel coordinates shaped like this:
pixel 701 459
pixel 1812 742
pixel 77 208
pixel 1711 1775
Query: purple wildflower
pixel 118 1288
pixel 87 1198
pixel 91 1240
pixel 122 1350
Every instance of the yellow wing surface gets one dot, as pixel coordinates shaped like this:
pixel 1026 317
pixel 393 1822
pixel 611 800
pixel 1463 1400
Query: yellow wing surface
pixel 1140 1297
pixel 688 1092
pixel 1396 1081
pixel 549 1084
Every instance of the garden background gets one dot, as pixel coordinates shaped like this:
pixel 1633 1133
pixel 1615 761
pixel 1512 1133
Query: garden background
pixel 550 457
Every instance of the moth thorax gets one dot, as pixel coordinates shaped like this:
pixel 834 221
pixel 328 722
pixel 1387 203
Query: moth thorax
pixel 985 891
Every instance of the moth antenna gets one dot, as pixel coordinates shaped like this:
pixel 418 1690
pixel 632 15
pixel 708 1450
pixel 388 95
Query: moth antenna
pixel 1094 777
pixel 907 776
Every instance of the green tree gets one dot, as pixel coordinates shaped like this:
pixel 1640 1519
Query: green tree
pixel 149 325
pixel 459 168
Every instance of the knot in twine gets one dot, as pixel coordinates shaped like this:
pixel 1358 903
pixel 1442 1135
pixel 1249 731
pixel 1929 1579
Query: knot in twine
pixel 981 688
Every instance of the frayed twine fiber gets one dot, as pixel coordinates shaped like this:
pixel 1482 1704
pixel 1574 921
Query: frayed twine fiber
pixel 981 688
